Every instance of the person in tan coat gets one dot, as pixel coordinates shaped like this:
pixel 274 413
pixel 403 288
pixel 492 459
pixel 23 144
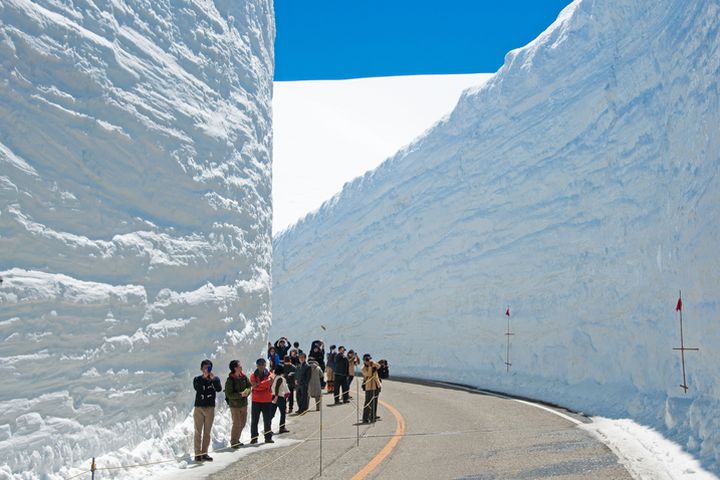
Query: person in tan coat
pixel 315 385
pixel 371 385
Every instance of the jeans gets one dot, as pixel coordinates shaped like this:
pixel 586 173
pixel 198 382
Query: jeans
pixel 291 400
pixel 281 404
pixel 341 383
pixel 302 397
pixel 267 411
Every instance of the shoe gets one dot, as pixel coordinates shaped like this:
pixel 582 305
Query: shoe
pixel 207 458
pixel 283 430
pixel 199 458
pixel 236 445
pixel 253 441
pixel 269 440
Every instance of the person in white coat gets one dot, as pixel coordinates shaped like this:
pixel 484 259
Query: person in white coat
pixel 280 392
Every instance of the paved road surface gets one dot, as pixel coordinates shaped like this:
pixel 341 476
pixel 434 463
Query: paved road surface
pixel 449 434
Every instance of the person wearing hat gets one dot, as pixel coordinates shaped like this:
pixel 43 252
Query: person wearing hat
pixel 237 389
pixel 206 386
pixel 261 382
pixel 371 385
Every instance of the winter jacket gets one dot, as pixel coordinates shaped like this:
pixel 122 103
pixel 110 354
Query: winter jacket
pixel 279 387
pixel 295 360
pixel 274 359
pixel 205 390
pixel 302 376
pixel 352 362
pixel 234 388
pixel 319 357
pixel 282 351
pixel 316 376
pixel 331 360
pixel 290 372
pixel 341 364
pixel 371 380
pixel 261 392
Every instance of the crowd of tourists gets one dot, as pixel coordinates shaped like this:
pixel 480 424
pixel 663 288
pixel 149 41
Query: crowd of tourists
pixel 281 384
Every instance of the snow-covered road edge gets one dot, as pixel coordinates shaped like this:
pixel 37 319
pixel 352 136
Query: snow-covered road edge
pixel 646 453
pixel 643 451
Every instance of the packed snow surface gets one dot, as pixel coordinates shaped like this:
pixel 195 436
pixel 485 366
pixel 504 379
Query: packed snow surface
pixel 135 220
pixel 580 186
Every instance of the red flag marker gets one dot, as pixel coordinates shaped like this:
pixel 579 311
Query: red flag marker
pixel 682 347
pixel 507 312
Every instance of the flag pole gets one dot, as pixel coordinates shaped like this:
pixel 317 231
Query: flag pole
pixel 682 344
pixel 682 348
pixel 508 334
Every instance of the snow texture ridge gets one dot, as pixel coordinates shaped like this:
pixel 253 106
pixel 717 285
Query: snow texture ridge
pixel 581 187
pixel 135 219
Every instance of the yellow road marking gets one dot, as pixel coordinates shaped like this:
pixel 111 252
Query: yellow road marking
pixel 389 446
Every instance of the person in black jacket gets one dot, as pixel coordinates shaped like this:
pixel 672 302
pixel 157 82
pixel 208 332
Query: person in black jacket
pixel 290 371
pixel 302 381
pixel 317 353
pixel 341 373
pixel 384 370
pixel 282 347
pixel 206 387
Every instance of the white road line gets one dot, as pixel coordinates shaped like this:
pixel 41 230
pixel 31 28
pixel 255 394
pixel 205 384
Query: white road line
pixel 547 409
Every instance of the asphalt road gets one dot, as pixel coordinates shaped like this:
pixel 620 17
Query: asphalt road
pixel 448 434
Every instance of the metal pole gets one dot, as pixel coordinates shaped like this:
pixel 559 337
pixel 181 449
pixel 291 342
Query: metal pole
pixel 321 434
pixel 507 353
pixel 357 405
pixel 92 468
pixel 682 350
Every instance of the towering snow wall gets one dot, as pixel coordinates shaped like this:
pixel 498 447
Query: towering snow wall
pixel 581 187
pixel 135 219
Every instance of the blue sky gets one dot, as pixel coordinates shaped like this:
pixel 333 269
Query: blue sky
pixel 336 39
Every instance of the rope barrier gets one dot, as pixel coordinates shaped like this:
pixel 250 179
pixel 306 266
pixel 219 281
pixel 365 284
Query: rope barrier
pixel 305 440
pixel 191 456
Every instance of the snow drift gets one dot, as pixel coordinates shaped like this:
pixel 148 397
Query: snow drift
pixel 581 187
pixel 135 219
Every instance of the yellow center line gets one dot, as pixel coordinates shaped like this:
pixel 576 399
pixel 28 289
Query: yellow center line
pixel 389 446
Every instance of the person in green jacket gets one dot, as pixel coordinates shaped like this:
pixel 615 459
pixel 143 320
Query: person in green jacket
pixel 237 389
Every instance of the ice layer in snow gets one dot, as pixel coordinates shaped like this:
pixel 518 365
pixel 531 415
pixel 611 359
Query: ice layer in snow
pixel 135 220
pixel 580 186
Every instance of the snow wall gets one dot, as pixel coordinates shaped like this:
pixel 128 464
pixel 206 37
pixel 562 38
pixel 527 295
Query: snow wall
pixel 580 187
pixel 135 221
